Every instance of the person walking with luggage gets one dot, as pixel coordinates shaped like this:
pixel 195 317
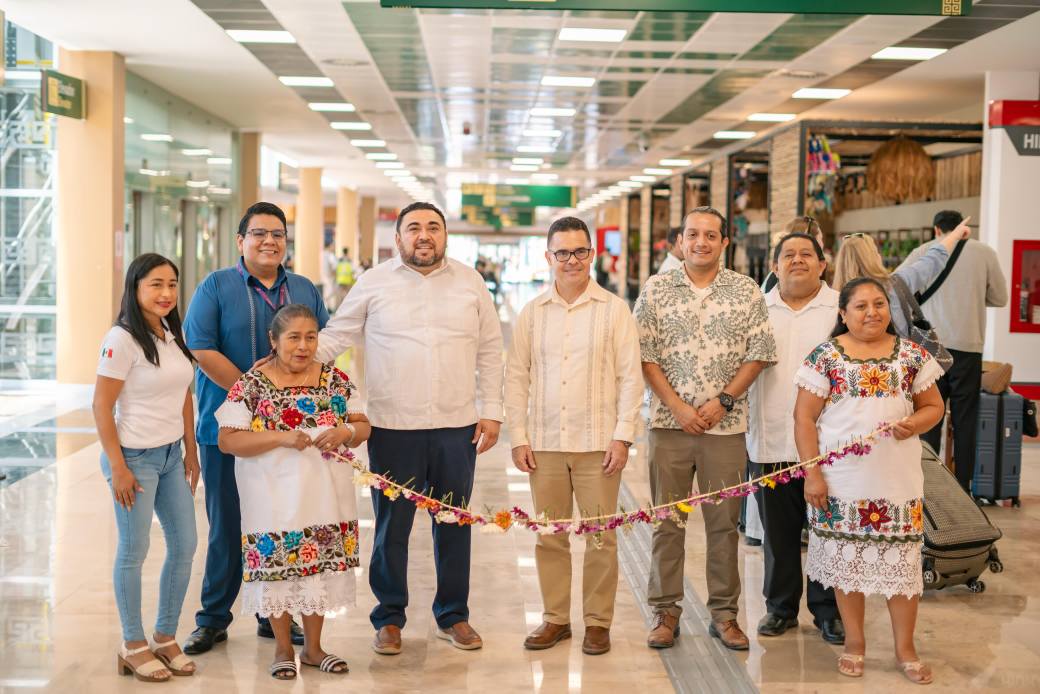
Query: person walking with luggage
pixel 433 346
pixel 226 329
pixel 865 516
pixel 704 336
pixel 956 308
pixel 144 375
pixel 802 311
pixel 574 386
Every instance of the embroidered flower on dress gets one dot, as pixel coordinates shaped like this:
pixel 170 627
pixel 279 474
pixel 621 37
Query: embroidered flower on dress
pixel 292 417
pixel 873 381
pixel 306 405
pixel 323 536
pixel 309 552
pixel 838 383
pixel 873 516
pixel 831 515
pixel 253 559
pixel 915 517
pixel 236 392
pixel 257 424
pixel 327 419
pixel 292 539
pixel 265 408
pixel 339 405
pixel 265 545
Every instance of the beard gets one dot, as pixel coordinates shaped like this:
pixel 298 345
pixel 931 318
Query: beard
pixel 415 261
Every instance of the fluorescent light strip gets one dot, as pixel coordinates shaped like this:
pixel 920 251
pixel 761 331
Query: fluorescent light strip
pixel 734 134
pixel 657 172
pixel 219 161
pixel 332 106
pixel 523 167
pixel 202 152
pixel 528 160
pixel 305 81
pixel 675 162
pixel 534 132
pixel 260 36
pixel 535 149
pixel 567 81
pixel 907 53
pixel 771 117
pixel 630 184
pixel 643 179
pixel 350 125
pixel 594 35
pixel 197 184
pixel 215 190
pixel 389 165
pixel 368 143
pixel 552 111
pixel 394 173
pixel 820 93
pixel 156 137
pixel 381 156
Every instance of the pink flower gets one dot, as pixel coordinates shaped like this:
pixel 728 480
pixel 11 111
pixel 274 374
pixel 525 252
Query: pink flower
pixel 236 392
pixel 265 408
pixel 253 559
pixel 327 419
pixel 309 552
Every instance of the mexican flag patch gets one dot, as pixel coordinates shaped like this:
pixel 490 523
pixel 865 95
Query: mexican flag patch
pixel 106 353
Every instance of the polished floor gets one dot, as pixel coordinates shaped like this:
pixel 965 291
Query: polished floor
pixel 59 630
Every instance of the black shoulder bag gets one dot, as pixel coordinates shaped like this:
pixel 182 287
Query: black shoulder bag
pixel 941 277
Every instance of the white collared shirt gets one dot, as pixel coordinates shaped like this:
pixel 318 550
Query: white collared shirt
pixel 670 262
pixel 433 345
pixel 574 380
pixel 772 396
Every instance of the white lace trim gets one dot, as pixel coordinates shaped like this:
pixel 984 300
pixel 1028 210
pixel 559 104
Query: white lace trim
pixel 325 593
pixel 819 392
pixel 861 566
pixel 923 384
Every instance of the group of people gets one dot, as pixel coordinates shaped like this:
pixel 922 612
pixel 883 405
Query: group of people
pixel 726 364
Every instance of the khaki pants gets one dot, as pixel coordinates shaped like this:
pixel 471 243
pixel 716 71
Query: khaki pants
pixel 717 461
pixel 555 483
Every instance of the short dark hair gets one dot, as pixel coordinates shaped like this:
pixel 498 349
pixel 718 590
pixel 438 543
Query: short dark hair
pixel 708 209
pixel 673 234
pixel 419 206
pixel 846 295
pixel 567 224
pixel 798 235
pixel 947 220
pixel 260 208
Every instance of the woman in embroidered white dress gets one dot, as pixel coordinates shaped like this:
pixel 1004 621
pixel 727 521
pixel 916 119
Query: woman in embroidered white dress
pixel 865 511
pixel 299 508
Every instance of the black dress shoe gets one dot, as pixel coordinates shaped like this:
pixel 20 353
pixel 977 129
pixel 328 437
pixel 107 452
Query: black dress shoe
pixel 202 639
pixel 752 542
pixel 775 625
pixel 832 631
pixel 264 630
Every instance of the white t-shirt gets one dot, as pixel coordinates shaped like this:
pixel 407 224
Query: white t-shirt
pixel 149 410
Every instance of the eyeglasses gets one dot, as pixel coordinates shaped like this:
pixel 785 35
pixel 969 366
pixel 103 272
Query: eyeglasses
pixel 564 255
pixel 261 234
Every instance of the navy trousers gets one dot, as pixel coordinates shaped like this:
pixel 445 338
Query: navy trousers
pixel 223 577
pixel 439 462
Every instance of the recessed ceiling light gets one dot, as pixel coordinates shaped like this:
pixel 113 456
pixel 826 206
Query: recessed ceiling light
pixel 218 190
pixel 734 134
pixel 381 156
pixel 368 143
pixel 597 35
pixel 907 53
pixel 394 173
pixel 536 132
pixel 643 179
pixel 219 161
pixel 201 152
pixel 528 160
pixel 674 162
pixel 523 167
pixel 350 125
pixel 820 93
pixel 545 176
pixel 197 184
pixel 128 120
pixel 305 81
pixel 552 111
pixel 657 172
pixel 770 117
pixel 517 181
pixel 332 106
pixel 567 81
pixel 157 137
pixel 535 149
pixel 153 172
pixel 630 184
pixel 389 165
pixel 260 36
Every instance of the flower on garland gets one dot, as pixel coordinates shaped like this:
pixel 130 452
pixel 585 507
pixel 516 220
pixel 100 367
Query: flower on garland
pixel 391 493
pixel 684 507
pixel 503 519
pixel 446 517
pixel 768 482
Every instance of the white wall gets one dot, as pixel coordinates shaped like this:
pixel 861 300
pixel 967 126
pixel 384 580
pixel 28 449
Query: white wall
pixel 909 216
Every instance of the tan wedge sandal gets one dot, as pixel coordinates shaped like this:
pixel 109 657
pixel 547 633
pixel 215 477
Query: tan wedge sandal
pixel 180 665
pixel 917 672
pixel 148 672
pixel 850 665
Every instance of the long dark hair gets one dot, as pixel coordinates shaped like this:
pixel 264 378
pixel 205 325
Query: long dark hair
pixel 131 319
pixel 846 294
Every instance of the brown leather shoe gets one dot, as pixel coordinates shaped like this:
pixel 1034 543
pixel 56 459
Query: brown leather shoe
pixel 387 640
pixel 547 636
pixel 596 641
pixel 730 634
pixel 663 631
pixel 462 636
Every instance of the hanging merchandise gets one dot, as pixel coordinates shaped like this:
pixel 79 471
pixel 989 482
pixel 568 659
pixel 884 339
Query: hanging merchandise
pixel 822 166
pixel 902 171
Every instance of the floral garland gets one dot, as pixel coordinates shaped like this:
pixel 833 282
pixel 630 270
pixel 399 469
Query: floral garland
pixel 492 521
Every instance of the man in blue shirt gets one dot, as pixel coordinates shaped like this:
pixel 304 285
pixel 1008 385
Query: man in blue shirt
pixel 226 329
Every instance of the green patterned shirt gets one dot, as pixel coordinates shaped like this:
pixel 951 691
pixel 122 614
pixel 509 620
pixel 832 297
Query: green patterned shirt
pixel 701 343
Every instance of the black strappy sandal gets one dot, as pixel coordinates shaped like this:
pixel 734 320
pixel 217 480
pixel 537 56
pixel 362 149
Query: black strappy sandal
pixel 283 666
pixel 329 664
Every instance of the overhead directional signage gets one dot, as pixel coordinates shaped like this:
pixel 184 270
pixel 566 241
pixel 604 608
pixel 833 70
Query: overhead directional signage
pixel 63 95
pixel 488 195
pixel 944 8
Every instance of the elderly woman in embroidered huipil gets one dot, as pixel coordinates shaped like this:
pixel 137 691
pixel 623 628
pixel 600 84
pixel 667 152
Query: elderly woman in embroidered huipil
pixel 283 421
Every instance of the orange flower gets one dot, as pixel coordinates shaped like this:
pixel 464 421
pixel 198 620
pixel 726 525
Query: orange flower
pixel 915 517
pixel 873 381
pixel 503 519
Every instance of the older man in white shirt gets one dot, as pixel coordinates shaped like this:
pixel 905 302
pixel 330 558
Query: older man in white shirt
pixel 802 312
pixel 573 389
pixel 433 349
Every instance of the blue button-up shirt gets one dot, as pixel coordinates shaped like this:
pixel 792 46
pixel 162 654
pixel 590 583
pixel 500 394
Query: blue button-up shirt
pixel 220 318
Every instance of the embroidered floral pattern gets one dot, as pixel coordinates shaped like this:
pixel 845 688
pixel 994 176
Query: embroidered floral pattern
pixel 870 378
pixel 830 516
pixel 277 556
pixel 873 381
pixel 878 520
pixel 294 408
pixel 873 516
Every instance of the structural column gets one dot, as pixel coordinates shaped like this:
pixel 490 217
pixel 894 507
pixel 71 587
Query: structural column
pixel 310 225
pixel 677 186
pixel 90 213
pixel 720 186
pixel 248 173
pixel 347 222
pixel 622 261
pixel 367 230
pixel 646 232
pixel 784 157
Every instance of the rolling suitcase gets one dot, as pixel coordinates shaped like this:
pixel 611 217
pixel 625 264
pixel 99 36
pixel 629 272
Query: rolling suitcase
pixel 959 540
pixel 998 448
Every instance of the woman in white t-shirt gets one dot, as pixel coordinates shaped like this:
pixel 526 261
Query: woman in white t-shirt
pixel 143 409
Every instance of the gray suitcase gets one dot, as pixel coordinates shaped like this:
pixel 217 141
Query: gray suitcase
pixel 998 448
pixel 959 540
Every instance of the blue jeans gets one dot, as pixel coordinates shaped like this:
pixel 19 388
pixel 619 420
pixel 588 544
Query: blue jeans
pixel 160 472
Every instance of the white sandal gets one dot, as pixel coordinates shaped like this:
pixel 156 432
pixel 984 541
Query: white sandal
pixel 146 672
pixel 178 664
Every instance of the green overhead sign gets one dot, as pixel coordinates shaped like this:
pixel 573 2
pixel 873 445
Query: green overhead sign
pixel 63 95
pixel 917 7
pixel 487 195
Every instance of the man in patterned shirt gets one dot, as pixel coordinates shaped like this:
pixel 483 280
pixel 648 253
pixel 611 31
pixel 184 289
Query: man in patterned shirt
pixel 704 335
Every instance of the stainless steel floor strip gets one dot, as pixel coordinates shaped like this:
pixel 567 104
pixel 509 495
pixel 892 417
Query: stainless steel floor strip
pixel 697 663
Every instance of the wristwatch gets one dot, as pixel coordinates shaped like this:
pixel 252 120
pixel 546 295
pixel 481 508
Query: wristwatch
pixel 726 400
